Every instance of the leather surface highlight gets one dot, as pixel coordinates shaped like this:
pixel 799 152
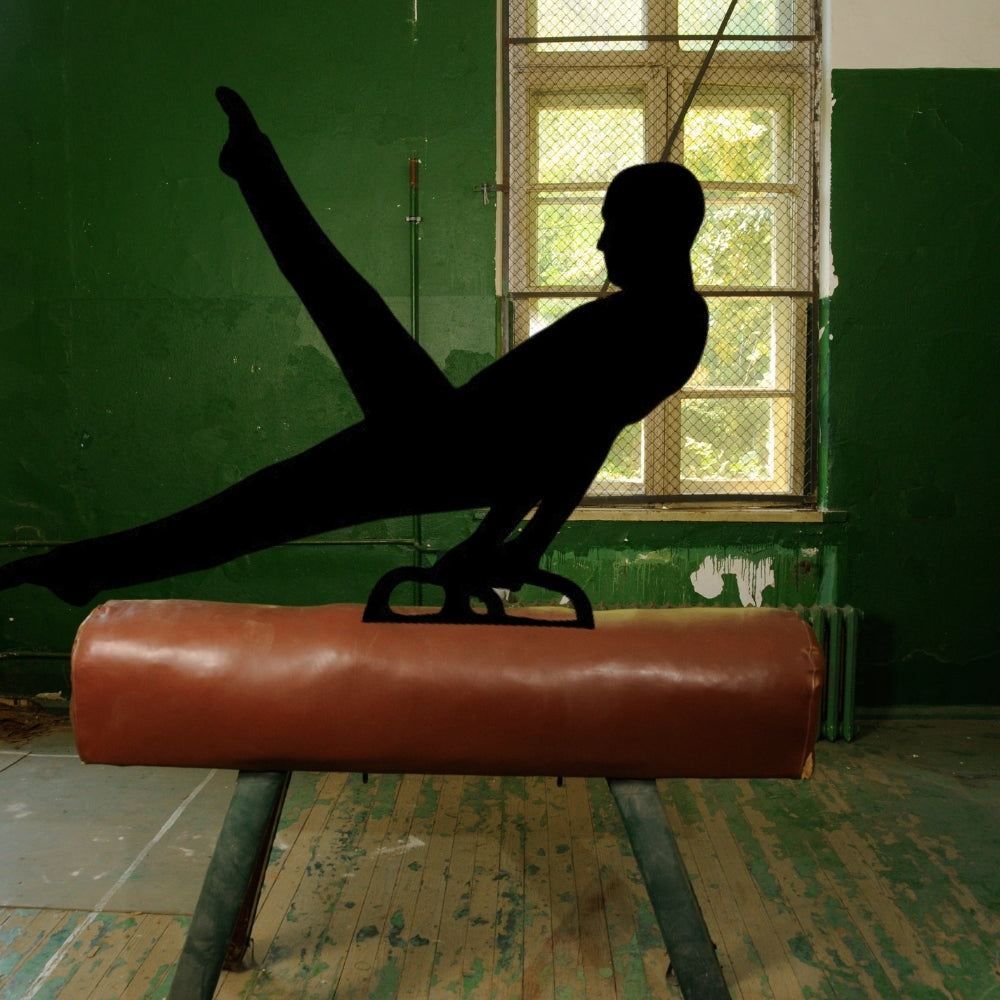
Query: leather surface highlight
pixel 702 692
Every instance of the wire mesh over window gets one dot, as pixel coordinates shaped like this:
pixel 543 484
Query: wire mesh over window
pixel 594 87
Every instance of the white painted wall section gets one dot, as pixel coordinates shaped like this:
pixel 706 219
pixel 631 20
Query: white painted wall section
pixel 913 34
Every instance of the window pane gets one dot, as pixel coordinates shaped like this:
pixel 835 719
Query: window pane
pixel 740 352
pixel 567 228
pixel 543 312
pixel 745 241
pixel 726 138
pixel 582 138
pixel 590 17
pixel 751 17
pixel 728 439
pixel 623 468
pixel 587 137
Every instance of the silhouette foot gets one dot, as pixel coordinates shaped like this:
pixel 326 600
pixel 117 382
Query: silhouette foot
pixel 46 571
pixel 246 141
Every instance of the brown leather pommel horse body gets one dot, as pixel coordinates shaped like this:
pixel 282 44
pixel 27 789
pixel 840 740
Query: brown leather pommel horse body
pixel 693 693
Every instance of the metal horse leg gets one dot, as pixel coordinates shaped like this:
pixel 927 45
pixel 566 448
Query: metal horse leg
pixel 691 951
pixel 225 910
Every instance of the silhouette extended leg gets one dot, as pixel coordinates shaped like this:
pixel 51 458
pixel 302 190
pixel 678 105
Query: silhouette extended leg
pixel 364 473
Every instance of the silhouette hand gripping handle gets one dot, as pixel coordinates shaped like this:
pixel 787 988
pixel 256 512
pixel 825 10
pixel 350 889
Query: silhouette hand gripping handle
pixel 457 608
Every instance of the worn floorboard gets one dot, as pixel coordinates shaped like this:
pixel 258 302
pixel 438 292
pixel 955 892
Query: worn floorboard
pixel 879 878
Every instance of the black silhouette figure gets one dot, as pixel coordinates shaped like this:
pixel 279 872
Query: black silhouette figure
pixel 577 383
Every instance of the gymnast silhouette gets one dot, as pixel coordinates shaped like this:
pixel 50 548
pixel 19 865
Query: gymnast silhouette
pixel 576 385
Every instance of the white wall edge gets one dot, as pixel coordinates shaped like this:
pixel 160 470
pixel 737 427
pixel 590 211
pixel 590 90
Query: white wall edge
pixel 824 250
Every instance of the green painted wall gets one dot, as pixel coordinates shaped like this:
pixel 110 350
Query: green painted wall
pixel 151 353
pixel 914 404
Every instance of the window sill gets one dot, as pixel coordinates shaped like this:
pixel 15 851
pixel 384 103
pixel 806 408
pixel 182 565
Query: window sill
pixel 725 515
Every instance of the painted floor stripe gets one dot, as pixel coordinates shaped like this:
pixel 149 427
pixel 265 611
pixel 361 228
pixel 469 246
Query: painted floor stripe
pixel 64 948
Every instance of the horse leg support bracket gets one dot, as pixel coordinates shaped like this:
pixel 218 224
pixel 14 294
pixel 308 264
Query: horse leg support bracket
pixel 223 919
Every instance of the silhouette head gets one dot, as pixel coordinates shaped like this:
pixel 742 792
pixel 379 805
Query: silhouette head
pixel 652 213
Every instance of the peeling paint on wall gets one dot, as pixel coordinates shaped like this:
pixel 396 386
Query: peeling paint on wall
pixel 752 576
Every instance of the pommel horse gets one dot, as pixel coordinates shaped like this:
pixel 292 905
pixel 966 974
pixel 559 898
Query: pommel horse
pixel 645 694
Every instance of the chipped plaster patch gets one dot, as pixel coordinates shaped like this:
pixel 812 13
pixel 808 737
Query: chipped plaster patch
pixel 752 576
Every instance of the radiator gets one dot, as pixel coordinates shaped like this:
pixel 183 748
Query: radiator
pixel 836 629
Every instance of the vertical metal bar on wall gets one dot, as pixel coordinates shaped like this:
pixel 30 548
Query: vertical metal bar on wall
pixel 503 183
pixel 413 219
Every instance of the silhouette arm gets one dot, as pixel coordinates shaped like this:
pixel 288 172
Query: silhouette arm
pixel 485 555
pixel 528 547
pixel 490 555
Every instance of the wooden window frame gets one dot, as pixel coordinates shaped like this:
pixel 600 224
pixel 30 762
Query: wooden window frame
pixel 664 71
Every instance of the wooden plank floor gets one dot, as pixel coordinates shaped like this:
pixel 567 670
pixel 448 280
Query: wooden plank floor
pixel 877 879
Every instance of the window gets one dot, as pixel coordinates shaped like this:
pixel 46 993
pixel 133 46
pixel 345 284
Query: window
pixel 593 87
